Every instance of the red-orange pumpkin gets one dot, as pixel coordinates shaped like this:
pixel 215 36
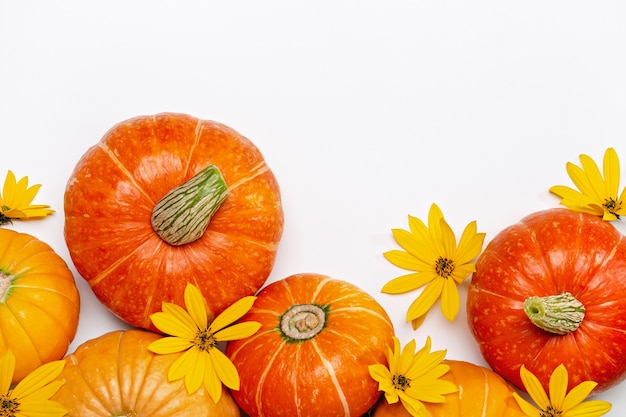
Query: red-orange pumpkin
pixel 114 190
pixel 310 358
pixel 482 393
pixel 39 302
pixel 116 375
pixel 559 262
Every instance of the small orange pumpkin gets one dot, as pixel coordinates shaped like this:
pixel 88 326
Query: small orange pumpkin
pixel 116 375
pixel 481 392
pixel 39 302
pixel 136 201
pixel 310 358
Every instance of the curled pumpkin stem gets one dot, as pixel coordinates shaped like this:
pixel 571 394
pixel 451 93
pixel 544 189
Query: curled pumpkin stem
pixel 559 314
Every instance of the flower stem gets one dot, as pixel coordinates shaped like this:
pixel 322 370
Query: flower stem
pixel 559 314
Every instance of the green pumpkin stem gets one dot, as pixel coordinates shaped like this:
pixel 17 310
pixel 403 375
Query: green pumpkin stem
pixel 559 314
pixel 183 214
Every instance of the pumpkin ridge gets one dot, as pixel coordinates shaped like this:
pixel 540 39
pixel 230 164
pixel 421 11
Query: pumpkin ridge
pixel 24 330
pixel 333 376
pixel 258 395
pixel 362 310
pixel 257 170
pixel 325 280
pixel 129 176
pixel 107 271
pixel 94 394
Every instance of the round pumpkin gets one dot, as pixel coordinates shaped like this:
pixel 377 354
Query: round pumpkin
pixel 152 182
pixel 39 302
pixel 551 289
pixel 115 375
pixel 481 392
pixel 310 358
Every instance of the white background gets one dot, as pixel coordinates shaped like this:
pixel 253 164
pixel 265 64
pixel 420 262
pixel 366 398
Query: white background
pixel 366 111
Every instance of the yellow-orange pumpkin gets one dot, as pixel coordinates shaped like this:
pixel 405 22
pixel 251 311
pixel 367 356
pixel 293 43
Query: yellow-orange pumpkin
pixel 39 302
pixel 482 393
pixel 115 375
pixel 114 191
pixel 310 358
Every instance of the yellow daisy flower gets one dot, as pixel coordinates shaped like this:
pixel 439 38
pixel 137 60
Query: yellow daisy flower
pixel 16 198
pixel 431 251
pixel 597 195
pixel 191 332
pixel 31 396
pixel 413 377
pixel 559 404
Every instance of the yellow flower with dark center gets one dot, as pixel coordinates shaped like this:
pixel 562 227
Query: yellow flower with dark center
pixel 558 404
pixel 413 377
pixel 191 332
pixel 31 396
pixel 597 195
pixel 16 198
pixel 439 264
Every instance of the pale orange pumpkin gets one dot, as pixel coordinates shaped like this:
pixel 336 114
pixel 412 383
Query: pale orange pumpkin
pixel 130 215
pixel 310 358
pixel 482 393
pixel 116 375
pixel 39 302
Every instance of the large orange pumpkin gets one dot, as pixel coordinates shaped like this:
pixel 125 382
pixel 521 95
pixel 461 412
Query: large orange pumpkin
pixel 310 358
pixel 116 375
pixel 39 302
pixel 136 193
pixel 551 289
pixel 481 392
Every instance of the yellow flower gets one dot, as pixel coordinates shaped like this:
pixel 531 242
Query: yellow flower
pixel 16 198
pixel 597 195
pixel 31 396
pixel 413 377
pixel 191 332
pixel 559 404
pixel 437 261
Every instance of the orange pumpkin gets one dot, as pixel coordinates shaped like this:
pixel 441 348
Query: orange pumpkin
pixel 39 302
pixel 310 358
pixel 481 392
pixel 130 212
pixel 116 375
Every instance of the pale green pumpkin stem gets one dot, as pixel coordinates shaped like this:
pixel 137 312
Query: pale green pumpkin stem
pixel 302 322
pixel 183 214
pixel 5 284
pixel 559 314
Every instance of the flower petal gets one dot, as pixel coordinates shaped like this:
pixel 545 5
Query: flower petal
pixel 38 378
pixel 405 260
pixel 611 170
pixel 172 325
pixel 577 395
pixel 450 300
pixel 226 371
pixel 593 408
pixel 425 300
pixel 528 409
pixel 41 409
pixel 410 282
pixel 558 386
pixel 196 306
pixel 238 331
pixel 232 313
pixel 167 345
pixel 212 383
pixel 534 388
pixel 7 367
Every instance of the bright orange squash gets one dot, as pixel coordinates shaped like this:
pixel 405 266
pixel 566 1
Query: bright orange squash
pixel 131 207
pixel 115 375
pixel 39 302
pixel 549 290
pixel 482 393
pixel 310 358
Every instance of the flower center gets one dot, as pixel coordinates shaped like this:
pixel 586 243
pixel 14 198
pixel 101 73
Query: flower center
pixel 612 206
pixel 444 267
pixel 551 412
pixel 204 340
pixel 4 219
pixel 400 382
pixel 8 406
